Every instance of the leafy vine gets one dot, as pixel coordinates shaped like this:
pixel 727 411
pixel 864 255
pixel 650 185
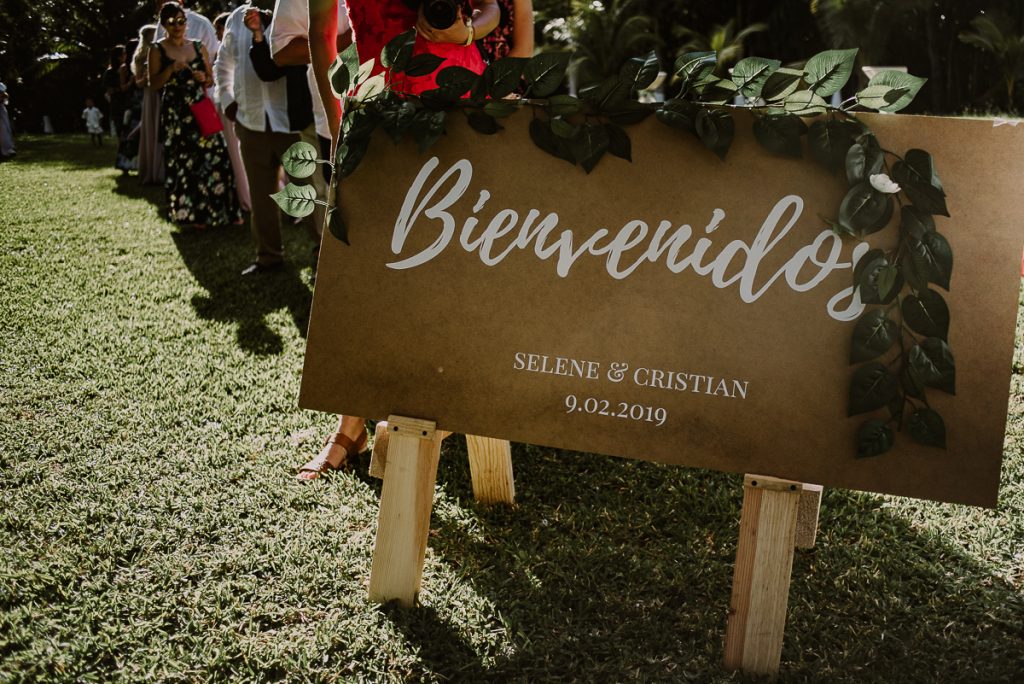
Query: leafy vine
pixel 899 344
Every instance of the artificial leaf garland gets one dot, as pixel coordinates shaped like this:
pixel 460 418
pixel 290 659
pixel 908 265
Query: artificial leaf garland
pixel 899 344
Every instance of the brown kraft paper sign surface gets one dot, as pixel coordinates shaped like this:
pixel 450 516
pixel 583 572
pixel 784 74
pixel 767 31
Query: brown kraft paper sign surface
pixel 678 309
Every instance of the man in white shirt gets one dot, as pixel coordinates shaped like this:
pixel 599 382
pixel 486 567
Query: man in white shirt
pixel 197 27
pixel 259 110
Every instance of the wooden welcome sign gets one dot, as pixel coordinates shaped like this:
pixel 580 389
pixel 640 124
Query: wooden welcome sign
pixel 679 309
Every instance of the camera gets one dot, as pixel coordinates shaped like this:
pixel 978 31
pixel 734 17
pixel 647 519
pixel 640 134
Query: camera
pixel 441 14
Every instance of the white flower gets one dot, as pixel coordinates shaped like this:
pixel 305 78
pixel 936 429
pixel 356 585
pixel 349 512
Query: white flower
pixel 182 214
pixel 882 183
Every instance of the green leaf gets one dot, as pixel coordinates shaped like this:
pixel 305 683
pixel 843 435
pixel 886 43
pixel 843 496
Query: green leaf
pixel 397 53
pixel 639 73
pixel 716 130
pixel 628 113
pixel 874 334
pixel 805 103
pixel 780 134
pixel 396 121
pixel 544 72
pixel 827 72
pixel 695 66
pixel 879 96
pixel 483 123
pixel 888 277
pixel 372 88
pixel 718 91
pixel 829 142
pixel 863 160
pixel 500 108
pixel 296 200
pixel 874 438
pixel 901 81
pixel 865 210
pixel 923 167
pixel 339 77
pixel 915 223
pixel 927 427
pixel 563 129
pixel 925 196
pixel 781 84
pixel 544 138
pixel 868 274
pixel 872 387
pixel 299 160
pixel 933 257
pixel 933 365
pixel 456 80
pixel 927 314
pixel 438 99
pixel 619 143
pixel 350 154
pixel 502 77
pixel 589 145
pixel 610 93
pixel 425 64
pixel 750 75
pixel 350 58
pixel 337 226
pixel 564 105
pixel 681 114
pixel 428 127
pixel 913 271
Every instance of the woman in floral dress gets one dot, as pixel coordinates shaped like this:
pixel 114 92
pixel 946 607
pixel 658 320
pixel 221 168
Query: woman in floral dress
pixel 199 182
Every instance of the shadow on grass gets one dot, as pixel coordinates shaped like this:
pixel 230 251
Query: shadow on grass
pixel 216 257
pixel 610 570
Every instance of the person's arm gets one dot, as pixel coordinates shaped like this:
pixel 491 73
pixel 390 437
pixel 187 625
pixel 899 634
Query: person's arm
pixel 323 50
pixel 158 76
pixel 486 16
pixel 522 29
pixel 205 74
pixel 262 63
pixel 224 68
pixel 295 53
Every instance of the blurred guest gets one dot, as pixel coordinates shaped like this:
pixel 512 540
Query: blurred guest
pixel 234 147
pixel 197 27
pixel 93 122
pixel 151 151
pixel 6 133
pixel 513 36
pixel 267 122
pixel 199 179
pixel 116 82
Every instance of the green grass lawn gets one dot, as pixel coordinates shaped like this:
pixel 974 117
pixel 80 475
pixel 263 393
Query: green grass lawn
pixel 151 528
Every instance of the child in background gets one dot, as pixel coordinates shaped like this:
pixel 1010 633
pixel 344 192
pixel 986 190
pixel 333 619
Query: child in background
pixel 92 118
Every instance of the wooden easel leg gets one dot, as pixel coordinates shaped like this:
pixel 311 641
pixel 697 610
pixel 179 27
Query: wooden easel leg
pixel 764 565
pixel 405 503
pixel 490 466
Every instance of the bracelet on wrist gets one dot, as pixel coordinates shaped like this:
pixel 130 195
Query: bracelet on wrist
pixel 471 33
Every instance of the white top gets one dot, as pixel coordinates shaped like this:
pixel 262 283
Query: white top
pixel 197 27
pixel 291 20
pixel 237 81
pixel 92 118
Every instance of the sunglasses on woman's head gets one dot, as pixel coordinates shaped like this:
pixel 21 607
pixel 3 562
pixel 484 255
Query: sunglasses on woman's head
pixel 176 21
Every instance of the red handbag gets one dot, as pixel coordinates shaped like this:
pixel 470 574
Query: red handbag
pixel 206 116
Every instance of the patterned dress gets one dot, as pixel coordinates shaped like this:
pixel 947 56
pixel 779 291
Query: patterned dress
pixel 498 43
pixel 199 183
pixel 375 22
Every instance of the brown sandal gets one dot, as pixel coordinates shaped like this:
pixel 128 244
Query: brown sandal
pixel 323 462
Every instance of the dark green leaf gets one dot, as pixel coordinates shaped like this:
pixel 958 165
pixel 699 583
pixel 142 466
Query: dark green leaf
pixel 888 277
pixel 925 197
pixel 296 200
pixel 874 334
pixel 639 72
pixel 927 314
pixel 681 114
pixel 874 438
pixel 911 270
pixel 751 73
pixel 428 127
pixel 545 139
pixel 563 129
pixel 455 79
pixel 608 95
pixel 339 77
pixel 589 145
pixel 933 365
pixel 564 105
pixel 544 72
pixel 397 53
pixel 902 81
pixel 628 113
pixel 827 72
pixel 483 123
pixel 337 226
pixel 932 257
pixel 781 84
pixel 863 160
pixel 716 130
pixel 350 154
pixel 500 108
pixel 915 223
pixel 502 77
pixel 438 99
pixel 865 210
pixel 780 134
pixel 350 58
pixel 829 142
pixel 425 64
pixel 923 167
pixel 299 160
pixel 695 66
pixel 927 427
pixel 872 387
pixel 718 91
pixel 619 143
pixel 868 272
pixel 398 120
